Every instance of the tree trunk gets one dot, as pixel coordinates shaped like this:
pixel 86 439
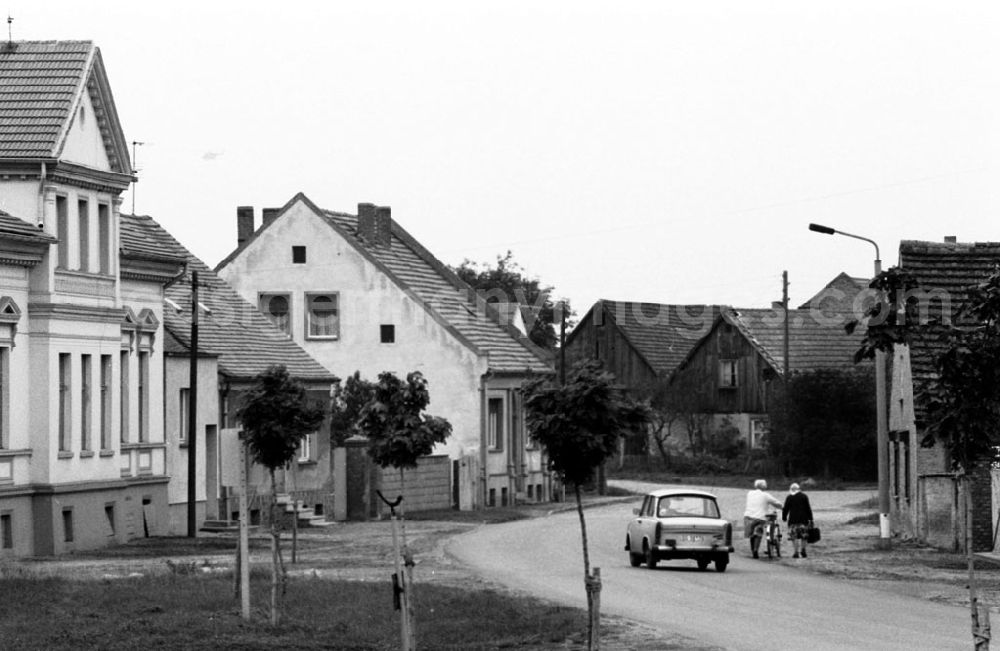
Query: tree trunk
pixel 274 550
pixel 408 564
pixel 592 584
pixel 980 616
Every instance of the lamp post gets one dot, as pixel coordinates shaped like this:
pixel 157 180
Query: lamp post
pixel 881 426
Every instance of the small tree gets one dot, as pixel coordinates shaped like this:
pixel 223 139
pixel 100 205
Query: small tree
pixel 348 400
pixel 578 425
pixel 399 433
pixel 276 416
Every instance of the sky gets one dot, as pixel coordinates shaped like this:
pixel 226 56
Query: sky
pixel 670 152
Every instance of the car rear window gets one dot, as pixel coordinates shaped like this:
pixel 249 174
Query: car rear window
pixel 687 506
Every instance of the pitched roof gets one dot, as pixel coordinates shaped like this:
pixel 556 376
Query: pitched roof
pixel 444 293
pixel 663 334
pixel 245 342
pixel 948 269
pixel 815 341
pixel 838 295
pixel 11 226
pixel 41 85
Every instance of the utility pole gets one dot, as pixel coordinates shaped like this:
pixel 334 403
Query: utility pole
pixel 562 342
pixel 135 170
pixel 784 305
pixel 192 465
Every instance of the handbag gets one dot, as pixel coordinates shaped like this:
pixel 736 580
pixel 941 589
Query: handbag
pixel 812 534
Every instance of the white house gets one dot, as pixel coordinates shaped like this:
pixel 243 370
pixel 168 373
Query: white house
pixel 359 293
pixel 82 452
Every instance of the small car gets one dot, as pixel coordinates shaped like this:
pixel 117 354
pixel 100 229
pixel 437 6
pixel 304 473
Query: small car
pixel 679 523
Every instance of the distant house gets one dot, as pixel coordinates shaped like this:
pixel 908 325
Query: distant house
pixel 924 491
pixel 731 372
pixel 639 342
pixel 235 344
pixel 83 457
pixel 359 293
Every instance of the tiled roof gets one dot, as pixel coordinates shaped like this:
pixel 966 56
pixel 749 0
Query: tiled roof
pixel 838 295
pixel 16 227
pixel 662 333
pixel 949 270
pixel 814 343
pixel 245 342
pixel 447 295
pixel 39 84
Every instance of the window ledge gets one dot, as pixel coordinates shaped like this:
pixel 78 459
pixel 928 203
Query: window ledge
pixel 86 454
pixel 308 462
pixel 107 453
pixel 65 455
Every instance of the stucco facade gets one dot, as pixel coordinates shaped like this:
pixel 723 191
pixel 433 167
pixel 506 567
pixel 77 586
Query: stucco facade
pixel 397 309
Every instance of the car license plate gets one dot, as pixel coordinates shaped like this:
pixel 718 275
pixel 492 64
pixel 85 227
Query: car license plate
pixel 692 538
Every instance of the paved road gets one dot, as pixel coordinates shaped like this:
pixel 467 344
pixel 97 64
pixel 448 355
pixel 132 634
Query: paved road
pixel 783 607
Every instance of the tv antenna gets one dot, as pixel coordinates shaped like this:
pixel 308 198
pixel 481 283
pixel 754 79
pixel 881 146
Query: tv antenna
pixel 10 20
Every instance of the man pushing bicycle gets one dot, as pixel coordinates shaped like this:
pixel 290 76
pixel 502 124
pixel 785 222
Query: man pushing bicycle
pixel 759 502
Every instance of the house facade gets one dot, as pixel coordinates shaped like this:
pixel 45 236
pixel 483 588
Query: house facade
pixel 359 293
pixel 82 449
pixel 235 344
pixel 925 494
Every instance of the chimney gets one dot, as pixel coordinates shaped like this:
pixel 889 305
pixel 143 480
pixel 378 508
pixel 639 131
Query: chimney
pixel 244 224
pixel 375 224
pixel 268 214
pixel 950 239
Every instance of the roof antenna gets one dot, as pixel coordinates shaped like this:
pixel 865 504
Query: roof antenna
pixel 10 20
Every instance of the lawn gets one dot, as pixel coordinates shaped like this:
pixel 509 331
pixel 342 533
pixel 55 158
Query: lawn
pixel 198 611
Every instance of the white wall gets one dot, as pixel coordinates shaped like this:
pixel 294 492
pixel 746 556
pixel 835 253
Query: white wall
pixel 368 298
pixel 84 143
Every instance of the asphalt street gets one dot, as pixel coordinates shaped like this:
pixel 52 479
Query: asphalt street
pixel 755 604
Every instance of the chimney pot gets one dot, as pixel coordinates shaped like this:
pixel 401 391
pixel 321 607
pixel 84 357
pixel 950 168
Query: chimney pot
pixel 950 239
pixel 244 224
pixel 268 215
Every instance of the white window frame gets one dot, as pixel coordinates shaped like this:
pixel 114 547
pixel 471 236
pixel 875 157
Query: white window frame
pixel 263 299
pixel 729 373
pixel 495 438
pixel 305 449
pixel 308 309
pixel 184 405
pixel 758 433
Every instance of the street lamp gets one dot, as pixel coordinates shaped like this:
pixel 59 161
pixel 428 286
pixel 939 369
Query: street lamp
pixel 882 429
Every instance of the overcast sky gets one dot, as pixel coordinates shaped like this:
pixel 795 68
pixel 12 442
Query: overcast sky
pixel 671 152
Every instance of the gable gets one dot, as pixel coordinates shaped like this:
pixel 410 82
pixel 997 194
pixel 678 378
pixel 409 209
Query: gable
pixel 84 142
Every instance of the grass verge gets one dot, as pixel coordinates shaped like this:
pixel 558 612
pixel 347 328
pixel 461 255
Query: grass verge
pixel 183 611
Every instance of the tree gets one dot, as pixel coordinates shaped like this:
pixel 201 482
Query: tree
pixel 399 433
pixel 578 425
pixel 276 416
pixel 822 422
pixel 348 400
pixel 962 399
pixel 666 407
pixel 507 282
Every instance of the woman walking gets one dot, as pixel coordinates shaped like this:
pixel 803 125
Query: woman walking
pixel 798 514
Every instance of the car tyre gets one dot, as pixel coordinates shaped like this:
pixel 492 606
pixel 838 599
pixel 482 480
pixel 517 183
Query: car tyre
pixel 650 556
pixel 721 562
pixel 635 560
pixel 703 564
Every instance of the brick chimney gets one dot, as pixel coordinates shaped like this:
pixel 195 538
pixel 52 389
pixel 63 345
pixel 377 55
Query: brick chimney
pixel 268 215
pixel 375 224
pixel 244 224
pixel 951 239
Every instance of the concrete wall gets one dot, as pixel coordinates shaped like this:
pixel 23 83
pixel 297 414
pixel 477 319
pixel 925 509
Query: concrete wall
pixel 424 488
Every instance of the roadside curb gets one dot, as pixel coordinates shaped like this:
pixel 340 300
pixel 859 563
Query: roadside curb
pixel 569 506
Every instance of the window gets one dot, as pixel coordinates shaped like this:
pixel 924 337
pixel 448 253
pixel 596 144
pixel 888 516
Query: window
pixel 299 254
pixel 83 230
pixel 185 404
pixel 7 531
pixel 4 397
pixel 62 232
pixel 728 369
pixel 276 308
pixel 322 316
pixel 123 386
pixel 85 391
pixel 104 238
pixel 143 396
pixel 305 449
pixel 105 402
pixel 387 333
pixel 67 518
pixel 758 433
pixel 494 423
pixel 109 516
pixel 65 417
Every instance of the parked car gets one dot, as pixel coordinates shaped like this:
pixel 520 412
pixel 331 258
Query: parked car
pixel 677 523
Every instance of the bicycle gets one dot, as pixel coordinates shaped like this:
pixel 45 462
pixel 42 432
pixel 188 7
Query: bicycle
pixel 772 536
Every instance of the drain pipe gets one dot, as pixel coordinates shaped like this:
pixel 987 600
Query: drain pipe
pixel 483 488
